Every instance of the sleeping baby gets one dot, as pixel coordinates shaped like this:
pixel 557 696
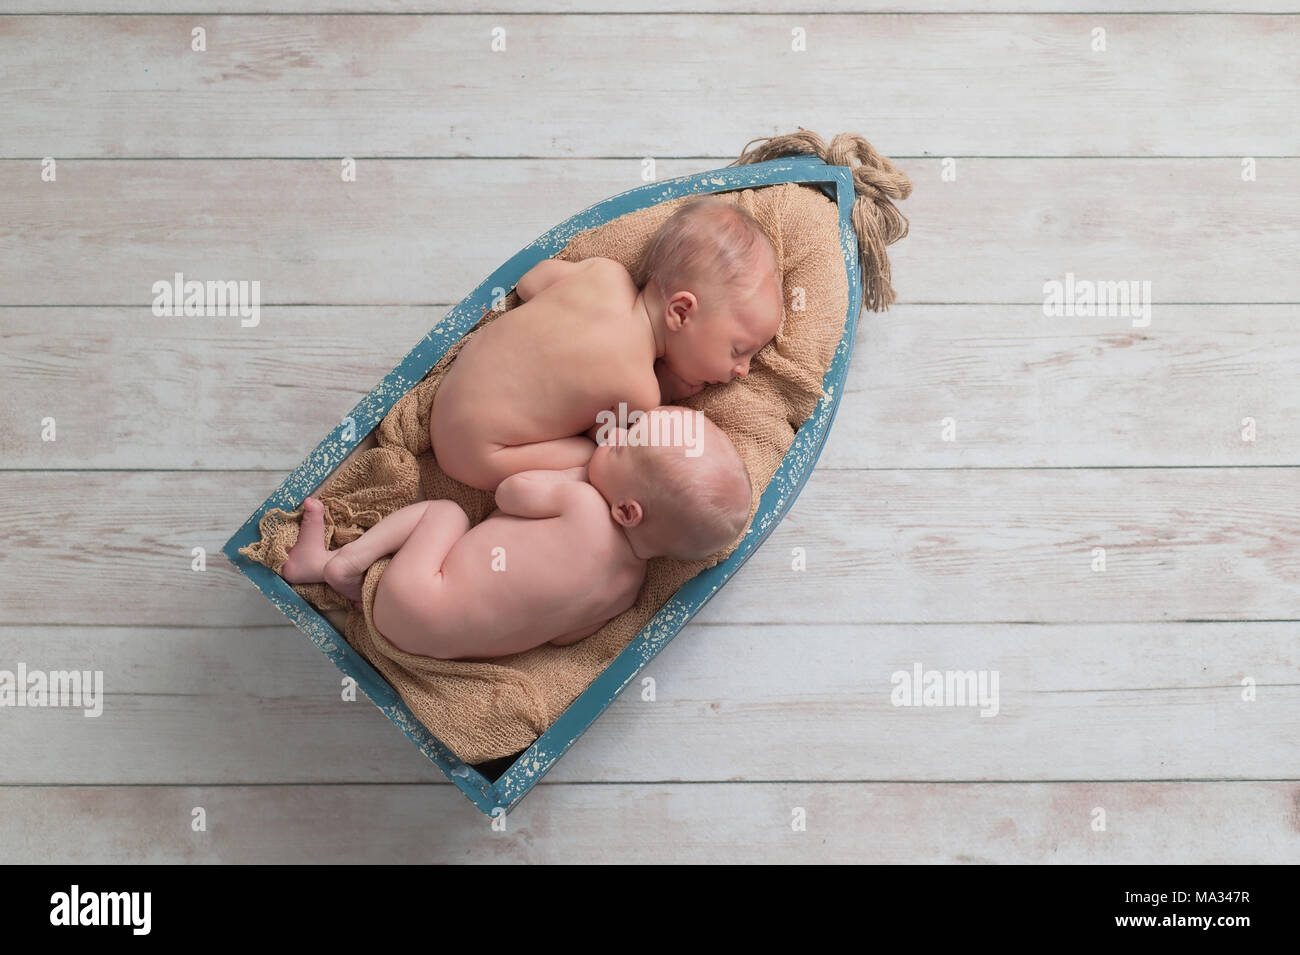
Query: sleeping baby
pixel 526 389
pixel 564 553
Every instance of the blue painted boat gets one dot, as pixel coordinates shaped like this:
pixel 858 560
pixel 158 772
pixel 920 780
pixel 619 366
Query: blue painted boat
pixel 496 789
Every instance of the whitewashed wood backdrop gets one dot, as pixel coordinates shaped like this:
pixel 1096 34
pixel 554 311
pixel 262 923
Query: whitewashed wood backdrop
pixel 1121 690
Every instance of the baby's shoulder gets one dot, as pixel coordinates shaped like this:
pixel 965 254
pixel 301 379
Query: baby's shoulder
pixel 584 500
pixel 602 267
pixel 607 276
pixel 587 506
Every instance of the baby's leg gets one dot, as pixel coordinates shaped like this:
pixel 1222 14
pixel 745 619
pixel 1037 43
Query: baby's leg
pixel 576 635
pixel 406 601
pixel 347 566
pixel 308 557
pixel 309 562
pixel 465 455
pixel 557 455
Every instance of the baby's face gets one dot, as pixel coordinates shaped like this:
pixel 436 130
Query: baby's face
pixel 613 470
pixel 618 470
pixel 717 347
pixel 674 483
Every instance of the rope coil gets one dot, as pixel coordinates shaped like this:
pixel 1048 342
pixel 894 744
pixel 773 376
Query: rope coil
pixel 877 182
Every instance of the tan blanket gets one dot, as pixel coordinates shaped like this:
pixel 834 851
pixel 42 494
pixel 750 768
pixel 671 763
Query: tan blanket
pixel 488 709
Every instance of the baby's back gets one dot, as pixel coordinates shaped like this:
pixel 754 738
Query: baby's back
pixel 513 583
pixel 545 369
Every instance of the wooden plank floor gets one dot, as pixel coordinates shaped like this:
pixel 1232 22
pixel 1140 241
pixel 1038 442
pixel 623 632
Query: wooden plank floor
pixel 1162 689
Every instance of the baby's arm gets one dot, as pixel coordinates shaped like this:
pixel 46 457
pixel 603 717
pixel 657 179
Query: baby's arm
pixel 554 477
pixel 641 396
pixel 671 388
pixel 559 454
pixel 575 636
pixel 549 271
pixel 538 493
pixel 544 273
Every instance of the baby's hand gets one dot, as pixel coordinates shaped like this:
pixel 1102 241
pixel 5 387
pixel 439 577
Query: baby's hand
pixel 671 387
pixel 538 493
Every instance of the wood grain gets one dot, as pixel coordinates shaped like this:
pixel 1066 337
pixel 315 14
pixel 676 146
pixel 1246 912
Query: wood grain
pixel 583 85
pixel 1022 390
pixel 923 546
pixel 730 702
pixel 1120 690
pixel 404 7
pixel 421 232
pixel 1172 823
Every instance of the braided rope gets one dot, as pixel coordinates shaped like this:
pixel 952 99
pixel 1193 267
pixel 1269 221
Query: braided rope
pixel 876 181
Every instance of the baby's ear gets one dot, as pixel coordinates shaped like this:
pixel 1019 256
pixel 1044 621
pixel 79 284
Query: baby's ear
pixel 681 309
pixel 627 513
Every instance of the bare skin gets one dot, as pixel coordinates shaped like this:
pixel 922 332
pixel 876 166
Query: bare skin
pixel 548 565
pixel 525 392
pixel 564 553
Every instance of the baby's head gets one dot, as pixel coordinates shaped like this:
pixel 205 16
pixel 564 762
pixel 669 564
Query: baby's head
pixel 711 281
pixel 674 483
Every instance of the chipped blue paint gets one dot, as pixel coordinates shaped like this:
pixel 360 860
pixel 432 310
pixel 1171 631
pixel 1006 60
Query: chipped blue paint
pixel 837 183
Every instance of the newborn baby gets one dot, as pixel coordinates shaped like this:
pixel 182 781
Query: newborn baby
pixel 564 553
pixel 525 391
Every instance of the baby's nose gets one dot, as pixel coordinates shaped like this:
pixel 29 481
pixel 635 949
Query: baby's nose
pixel 740 371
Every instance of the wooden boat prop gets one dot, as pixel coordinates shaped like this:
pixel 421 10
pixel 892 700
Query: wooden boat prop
pixel 495 789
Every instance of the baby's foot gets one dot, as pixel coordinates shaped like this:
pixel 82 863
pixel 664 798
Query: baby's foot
pixel 307 558
pixel 345 574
